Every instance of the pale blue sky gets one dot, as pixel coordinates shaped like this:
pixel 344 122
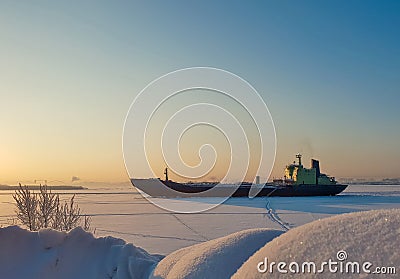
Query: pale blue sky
pixel 328 71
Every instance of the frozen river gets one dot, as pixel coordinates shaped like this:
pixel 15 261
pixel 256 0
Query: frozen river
pixel 122 212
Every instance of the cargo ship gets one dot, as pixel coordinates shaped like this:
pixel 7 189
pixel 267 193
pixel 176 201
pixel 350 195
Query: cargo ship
pixel 297 181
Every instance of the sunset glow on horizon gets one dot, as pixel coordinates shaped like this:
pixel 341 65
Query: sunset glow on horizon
pixel 70 72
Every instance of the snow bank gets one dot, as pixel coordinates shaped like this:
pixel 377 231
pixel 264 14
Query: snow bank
pixel 76 254
pixel 370 236
pixel 218 258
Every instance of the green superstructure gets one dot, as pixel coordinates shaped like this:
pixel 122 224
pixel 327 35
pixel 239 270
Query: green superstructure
pixel 297 174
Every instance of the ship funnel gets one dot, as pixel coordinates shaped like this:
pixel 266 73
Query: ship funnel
pixel 315 165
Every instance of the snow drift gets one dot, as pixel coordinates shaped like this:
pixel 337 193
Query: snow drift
pixel 218 258
pixel 372 236
pixel 76 254
pixel 369 236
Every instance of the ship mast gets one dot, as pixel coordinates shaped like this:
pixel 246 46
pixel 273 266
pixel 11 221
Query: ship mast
pixel 298 156
pixel 166 174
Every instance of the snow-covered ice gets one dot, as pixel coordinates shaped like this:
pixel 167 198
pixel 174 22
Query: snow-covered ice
pixel 125 214
pixel 120 211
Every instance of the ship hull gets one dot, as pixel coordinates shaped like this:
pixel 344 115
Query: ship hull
pixel 154 188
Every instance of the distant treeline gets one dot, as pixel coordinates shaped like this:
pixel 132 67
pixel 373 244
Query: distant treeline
pixel 387 181
pixel 37 187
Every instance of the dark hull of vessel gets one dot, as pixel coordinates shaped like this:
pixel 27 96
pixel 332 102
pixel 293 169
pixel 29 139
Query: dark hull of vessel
pixel 154 188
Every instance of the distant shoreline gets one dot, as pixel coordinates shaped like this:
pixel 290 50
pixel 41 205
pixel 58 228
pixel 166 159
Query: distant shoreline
pixel 373 183
pixel 37 187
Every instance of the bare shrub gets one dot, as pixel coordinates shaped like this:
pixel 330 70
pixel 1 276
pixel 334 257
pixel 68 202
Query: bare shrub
pixel 70 215
pixel 87 222
pixel 26 203
pixel 47 203
pixel 44 210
